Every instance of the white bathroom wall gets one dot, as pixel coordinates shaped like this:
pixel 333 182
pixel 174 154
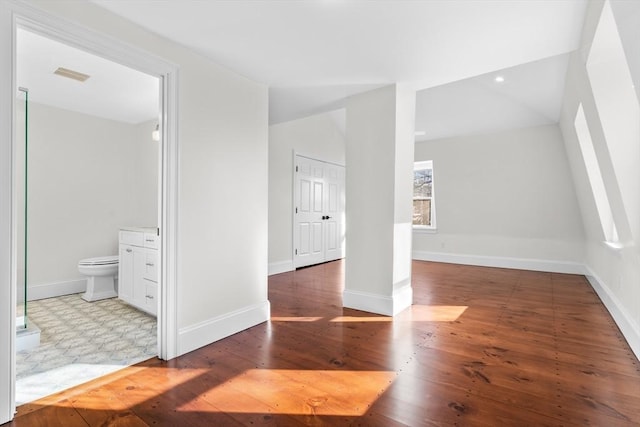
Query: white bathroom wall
pixel 222 202
pixel 87 177
pixel 504 199
pixel 146 175
pixel 320 137
pixel 613 269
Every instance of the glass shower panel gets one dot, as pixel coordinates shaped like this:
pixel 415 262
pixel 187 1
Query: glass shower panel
pixel 22 139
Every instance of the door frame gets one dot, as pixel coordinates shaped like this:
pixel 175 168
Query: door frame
pixel 294 192
pixel 14 14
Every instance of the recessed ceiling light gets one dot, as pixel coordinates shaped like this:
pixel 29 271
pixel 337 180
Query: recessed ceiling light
pixel 499 79
pixel 75 75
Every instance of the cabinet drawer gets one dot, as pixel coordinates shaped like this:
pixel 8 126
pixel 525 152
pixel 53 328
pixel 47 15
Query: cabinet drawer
pixel 151 297
pixel 151 240
pixel 151 265
pixel 131 238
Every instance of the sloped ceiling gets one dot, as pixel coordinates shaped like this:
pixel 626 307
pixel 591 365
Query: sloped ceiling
pixel 314 53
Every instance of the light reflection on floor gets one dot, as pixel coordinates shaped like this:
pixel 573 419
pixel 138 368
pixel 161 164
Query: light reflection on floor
pixel 299 392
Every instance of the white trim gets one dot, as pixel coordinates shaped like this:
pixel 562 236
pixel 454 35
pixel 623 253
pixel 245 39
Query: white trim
pixel 295 153
pixel 402 298
pixel 219 327
pixel 8 246
pixel 56 289
pixel 550 266
pixel 168 289
pixel 423 229
pixel 379 304
pixel 280 267
pixel 629 328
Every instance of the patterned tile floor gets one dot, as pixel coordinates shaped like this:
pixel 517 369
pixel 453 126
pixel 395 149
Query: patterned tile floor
pixel 81 341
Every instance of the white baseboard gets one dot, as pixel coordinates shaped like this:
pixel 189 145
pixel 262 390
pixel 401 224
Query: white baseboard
pixel 50 290
pixel 280 267
pixel 219 327
pixel 629 328
pixel 379 304
pixel 502 262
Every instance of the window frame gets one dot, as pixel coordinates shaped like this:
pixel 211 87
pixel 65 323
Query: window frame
pixel 424 165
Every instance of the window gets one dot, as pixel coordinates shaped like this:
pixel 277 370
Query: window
pixel 595 177
pixel 423 200
pixel 619 112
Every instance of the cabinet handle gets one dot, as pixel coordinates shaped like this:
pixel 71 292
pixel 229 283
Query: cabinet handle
pixel 149 296
pixel 149 240
pixel 129 250
pixel 149 264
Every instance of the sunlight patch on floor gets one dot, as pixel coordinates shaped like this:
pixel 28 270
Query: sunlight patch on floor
pixel 362 319
pixel 294 319
pixel 299 392
pixel 43 384
pixel 432 313
pixel 174 376
pixel 416 313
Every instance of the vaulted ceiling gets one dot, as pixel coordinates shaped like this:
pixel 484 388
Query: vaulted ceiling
pixel 314 53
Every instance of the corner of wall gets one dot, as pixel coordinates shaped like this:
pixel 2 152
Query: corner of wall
pixel 280 267
pixel 219 327
pixel 630 329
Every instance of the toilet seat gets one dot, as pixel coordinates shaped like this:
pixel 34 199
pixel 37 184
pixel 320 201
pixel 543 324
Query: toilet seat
pixel 101 260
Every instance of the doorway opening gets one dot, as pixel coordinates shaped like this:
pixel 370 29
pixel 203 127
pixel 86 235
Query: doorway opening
pixel 93 169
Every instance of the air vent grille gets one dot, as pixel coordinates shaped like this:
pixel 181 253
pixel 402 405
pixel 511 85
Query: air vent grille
pixel 75 75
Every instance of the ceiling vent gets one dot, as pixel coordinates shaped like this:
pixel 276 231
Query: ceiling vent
pixel 65 72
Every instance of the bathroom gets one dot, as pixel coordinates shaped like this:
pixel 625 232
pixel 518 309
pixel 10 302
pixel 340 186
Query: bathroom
pixel 91 168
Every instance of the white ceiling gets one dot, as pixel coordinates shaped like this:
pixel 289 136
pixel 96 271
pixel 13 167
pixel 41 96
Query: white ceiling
pixel 113 91
pixel 314 53
pixel 530 95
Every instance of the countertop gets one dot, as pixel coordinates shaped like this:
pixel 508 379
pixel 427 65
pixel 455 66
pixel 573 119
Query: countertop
pixel 153 230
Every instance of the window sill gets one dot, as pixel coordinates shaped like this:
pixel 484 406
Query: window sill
pixel 616 246
pixel 424 230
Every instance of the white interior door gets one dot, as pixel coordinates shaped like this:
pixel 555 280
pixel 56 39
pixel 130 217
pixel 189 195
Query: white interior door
pixel 334 212
pixel 318 212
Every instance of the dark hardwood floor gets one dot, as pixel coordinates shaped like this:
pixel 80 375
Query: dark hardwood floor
pixel 479 347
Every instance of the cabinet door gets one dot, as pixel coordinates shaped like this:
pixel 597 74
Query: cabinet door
pixel 125 273
pixel 139 290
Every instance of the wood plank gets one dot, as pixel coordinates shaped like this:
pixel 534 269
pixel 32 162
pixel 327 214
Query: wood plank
pixel 481 347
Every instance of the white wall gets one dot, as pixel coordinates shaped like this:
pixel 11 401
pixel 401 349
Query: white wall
pixel 320 137
pixel 222 229
pixel 87 177
pixel 503 199
pixel 614 272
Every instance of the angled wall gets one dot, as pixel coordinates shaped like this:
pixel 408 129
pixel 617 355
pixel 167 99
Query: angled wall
pixel 600 83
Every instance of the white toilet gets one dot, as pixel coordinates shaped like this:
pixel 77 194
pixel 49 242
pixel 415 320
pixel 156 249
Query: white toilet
pixel 102 272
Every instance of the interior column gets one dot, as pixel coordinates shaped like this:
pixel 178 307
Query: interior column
pixel 379 192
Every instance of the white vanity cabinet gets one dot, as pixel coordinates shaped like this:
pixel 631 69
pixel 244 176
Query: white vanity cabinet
pixel 138 271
